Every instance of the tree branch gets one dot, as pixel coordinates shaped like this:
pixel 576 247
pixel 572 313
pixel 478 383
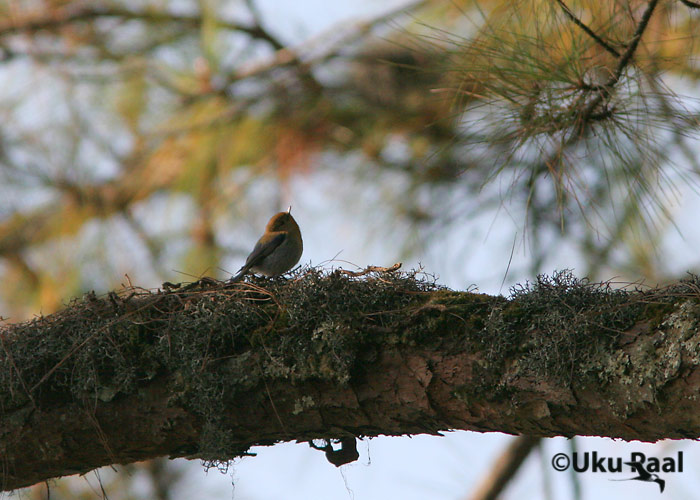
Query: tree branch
pixel 605 91
pixel 692 5
pixel 587 30
pixel 86 12
pixel 210 371
pixel 263 33
pixel 632 47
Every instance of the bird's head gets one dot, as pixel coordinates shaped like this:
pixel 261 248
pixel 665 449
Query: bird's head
pixel 282 221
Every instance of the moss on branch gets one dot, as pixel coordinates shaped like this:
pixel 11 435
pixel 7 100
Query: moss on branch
pixel 303 352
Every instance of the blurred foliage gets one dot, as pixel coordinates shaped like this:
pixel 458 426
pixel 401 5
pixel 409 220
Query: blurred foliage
pixel 569 111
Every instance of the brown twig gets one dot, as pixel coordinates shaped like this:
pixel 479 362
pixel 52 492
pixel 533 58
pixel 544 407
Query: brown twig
pixel 505 467
pixel 371 269
pixel 101 436
pixel 75 349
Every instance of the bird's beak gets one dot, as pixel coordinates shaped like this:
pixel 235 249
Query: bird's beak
pixel 289 210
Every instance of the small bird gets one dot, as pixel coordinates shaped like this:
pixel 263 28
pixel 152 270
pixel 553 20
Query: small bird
pixel 278 249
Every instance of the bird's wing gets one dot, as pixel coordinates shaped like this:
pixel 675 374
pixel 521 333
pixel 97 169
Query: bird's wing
pixel 262 250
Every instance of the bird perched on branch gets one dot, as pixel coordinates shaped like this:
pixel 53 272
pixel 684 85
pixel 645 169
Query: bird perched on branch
pixel 278 249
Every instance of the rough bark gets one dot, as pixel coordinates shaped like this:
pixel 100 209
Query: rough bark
pixel 209 371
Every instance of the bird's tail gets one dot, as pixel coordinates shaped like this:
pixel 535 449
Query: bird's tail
pixel 239 276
